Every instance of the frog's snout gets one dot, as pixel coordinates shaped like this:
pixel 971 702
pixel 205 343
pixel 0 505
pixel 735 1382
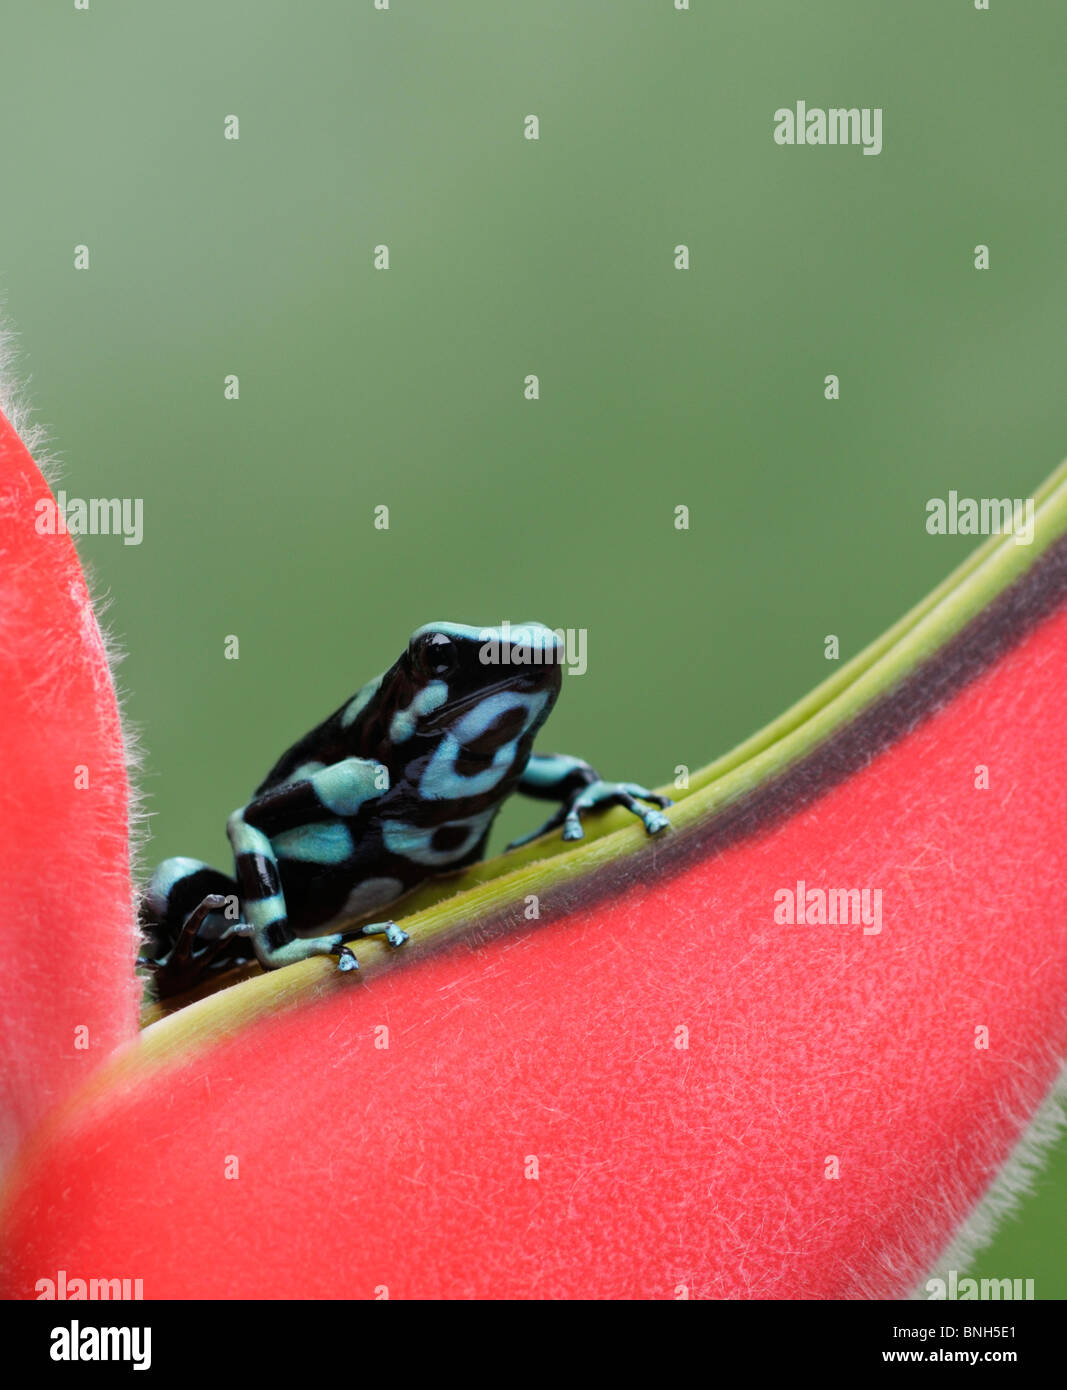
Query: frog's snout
pixel 537 677
pixel 537 652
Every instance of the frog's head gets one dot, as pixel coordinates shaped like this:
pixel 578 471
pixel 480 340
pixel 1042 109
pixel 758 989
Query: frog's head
pixel 487 688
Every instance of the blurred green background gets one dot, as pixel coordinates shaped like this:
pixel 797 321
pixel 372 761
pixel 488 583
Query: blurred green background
pixel 658 387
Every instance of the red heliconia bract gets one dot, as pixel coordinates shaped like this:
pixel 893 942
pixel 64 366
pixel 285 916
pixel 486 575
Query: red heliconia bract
pixel 660 1087
pixel 68 997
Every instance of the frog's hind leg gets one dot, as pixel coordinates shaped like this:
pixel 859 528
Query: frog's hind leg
pixel 317 807
pixel 190 912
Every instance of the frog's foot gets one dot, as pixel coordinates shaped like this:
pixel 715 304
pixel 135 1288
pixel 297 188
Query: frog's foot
pixel 395 936
pixel 392 933
pixel 598 794
pixel 628 794
pixel 300 948
pixel 190 956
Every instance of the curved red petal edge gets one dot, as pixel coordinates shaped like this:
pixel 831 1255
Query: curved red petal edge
pixel 660 1090
pixel 68 995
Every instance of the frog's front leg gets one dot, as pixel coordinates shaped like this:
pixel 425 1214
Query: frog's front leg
pixel 337 790
pixel 579 788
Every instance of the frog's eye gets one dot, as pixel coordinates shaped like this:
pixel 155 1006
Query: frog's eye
pixel 438 656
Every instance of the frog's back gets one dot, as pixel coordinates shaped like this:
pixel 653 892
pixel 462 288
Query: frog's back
pixel 342 734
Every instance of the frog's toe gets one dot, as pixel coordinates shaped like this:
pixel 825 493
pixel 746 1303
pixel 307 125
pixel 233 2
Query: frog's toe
pixel 237 929
pixel 299 949
pixel 395 935
pixel 555 819
pixel 347 960
pixel 631 794
pixel 644 794
pixel 572 826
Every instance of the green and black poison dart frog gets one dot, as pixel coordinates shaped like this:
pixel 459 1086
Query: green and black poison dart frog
pixel 402 782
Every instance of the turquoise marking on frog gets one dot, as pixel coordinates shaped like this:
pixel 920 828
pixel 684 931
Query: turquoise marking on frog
pixel 403 780
pixel 406 721
pixel 345 787
pixel 359 702
pixel 415 842
pixel 442 781
pixel 318 844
